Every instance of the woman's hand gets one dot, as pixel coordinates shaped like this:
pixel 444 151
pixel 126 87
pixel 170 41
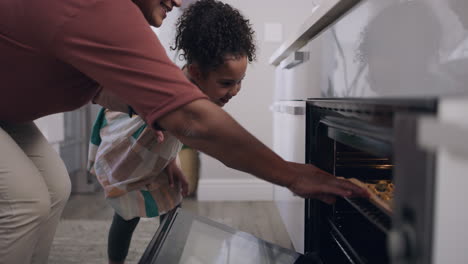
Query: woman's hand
pixel 311 182
pixel 176 177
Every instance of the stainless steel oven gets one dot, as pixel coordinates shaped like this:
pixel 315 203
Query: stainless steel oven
pixel 373 141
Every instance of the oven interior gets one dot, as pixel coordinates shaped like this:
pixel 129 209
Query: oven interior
pixel 356 226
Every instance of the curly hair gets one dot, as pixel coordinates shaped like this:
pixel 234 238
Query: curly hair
pixel 208 30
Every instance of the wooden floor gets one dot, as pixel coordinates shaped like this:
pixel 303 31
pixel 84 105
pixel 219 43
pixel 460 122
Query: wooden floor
pixel 260 219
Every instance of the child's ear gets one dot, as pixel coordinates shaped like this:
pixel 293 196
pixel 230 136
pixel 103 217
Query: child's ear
pixel 195 72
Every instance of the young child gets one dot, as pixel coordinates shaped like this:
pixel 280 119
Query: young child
pixel 134 165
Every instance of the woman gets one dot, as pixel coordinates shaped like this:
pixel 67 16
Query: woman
pixel 42 76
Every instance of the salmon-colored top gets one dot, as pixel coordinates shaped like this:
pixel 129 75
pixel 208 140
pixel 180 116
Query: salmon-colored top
pixel 55 53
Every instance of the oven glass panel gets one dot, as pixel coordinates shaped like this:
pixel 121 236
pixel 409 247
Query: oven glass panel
pixel 192 239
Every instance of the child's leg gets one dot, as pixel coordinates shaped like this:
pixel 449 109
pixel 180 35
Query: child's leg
pixel 120 235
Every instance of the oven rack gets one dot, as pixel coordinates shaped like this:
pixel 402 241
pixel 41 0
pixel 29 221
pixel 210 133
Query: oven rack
pixel 375 215
pixel 351 255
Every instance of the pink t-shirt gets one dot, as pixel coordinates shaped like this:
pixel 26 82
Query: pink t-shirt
pixel 55 53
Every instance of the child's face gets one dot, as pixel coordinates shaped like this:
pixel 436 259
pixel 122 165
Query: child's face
pixel 225 82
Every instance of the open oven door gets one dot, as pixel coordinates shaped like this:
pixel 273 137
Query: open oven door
pixel 186 238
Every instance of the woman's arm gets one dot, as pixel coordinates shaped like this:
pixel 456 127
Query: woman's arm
pixel 108 100
pixel 206 127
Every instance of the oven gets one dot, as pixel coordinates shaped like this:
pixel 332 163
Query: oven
pixel 374 142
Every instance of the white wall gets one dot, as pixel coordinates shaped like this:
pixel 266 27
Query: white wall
pixel 52 128
pixel 166 34
pixel 250 107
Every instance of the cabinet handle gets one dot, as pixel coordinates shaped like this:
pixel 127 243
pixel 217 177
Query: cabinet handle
pixel 294 59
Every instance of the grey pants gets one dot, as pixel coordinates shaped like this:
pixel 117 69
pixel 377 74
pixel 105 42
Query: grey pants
pixel 34 188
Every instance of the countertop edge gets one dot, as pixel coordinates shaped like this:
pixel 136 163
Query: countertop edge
pixel 327 13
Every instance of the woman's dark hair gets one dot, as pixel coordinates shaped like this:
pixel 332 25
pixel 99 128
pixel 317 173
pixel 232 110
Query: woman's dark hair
pixel 208 30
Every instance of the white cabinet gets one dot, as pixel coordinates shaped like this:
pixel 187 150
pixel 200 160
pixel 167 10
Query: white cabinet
pixel 297 78
pixel 289 143
pixel 446 137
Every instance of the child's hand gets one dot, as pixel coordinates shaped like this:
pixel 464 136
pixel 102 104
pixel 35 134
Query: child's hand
pixel 159 136
pixel 177 177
